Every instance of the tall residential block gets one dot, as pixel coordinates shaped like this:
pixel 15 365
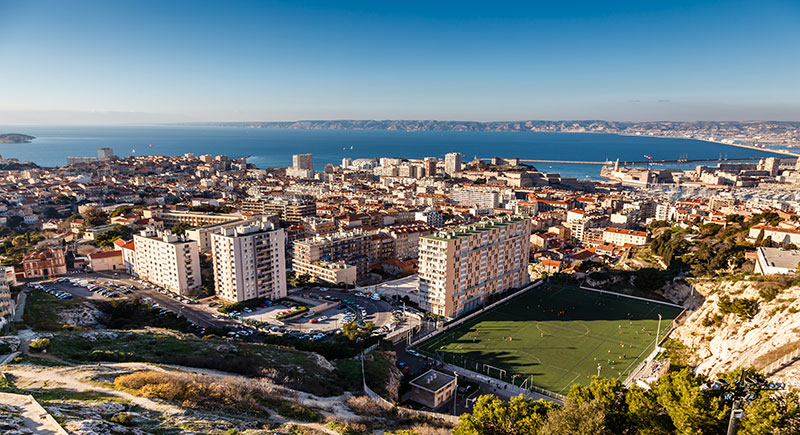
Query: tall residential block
pixel 249 262
pixel 302 166
pixel 452 163
pixel 167 260
pixel 460 267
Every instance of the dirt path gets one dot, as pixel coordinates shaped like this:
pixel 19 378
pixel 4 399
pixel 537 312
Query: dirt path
pixel 75 378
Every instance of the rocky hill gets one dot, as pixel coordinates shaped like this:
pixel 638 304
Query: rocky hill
pixel 741 324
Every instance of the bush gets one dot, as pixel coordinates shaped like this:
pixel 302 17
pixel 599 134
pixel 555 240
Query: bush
pixel 745 308
pixel 768 293
pixel 39 345
pixel 250 303
pixel 296 311
pixel 124 419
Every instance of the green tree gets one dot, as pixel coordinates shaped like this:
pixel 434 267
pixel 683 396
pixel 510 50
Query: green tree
pixel 119 211
pixel 772 413
pixel 691 410
pixel 493 416
pixel 107 238
pixel 180 228
pixel 95 217
pixel 576 418
pixel 648 279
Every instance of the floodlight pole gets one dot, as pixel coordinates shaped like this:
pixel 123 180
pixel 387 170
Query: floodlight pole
pixel 658 331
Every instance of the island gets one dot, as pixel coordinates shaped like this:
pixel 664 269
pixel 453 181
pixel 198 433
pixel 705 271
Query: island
pixel 15 138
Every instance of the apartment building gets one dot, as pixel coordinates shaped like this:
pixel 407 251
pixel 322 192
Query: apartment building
pixel 193 219
pixel 202 235
pixel 621 236
pixel 7 304
pixel 452 163
pixel 406 239
pixel 249 262
pixel 42 264
pixel 167 260
pixel 460 267
pixel 479 198
pixel 315 255
pixel 291 209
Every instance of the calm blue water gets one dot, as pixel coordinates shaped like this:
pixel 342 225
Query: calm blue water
pixel 274 147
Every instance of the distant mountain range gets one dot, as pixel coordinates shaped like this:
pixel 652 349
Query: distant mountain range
pixel 772 129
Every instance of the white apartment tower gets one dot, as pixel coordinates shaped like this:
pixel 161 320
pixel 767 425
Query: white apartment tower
pixel 452 163
pixel 460 267
pixel 249 262
pixel 167 260
pixel 302 166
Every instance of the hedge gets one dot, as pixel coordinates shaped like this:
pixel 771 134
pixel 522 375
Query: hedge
pixel 300 309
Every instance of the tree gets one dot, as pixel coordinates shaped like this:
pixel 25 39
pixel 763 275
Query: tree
pixel 772 413
pixel 51 213
pixel 691 410
pixel 648 279
pixel 179 229
pixel 576 418
pixel 107 238
pixel 493 416
pixel 760 237
pixel 119 211
pixel 95 217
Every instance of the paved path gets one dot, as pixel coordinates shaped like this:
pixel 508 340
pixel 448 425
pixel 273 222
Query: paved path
pixel 20 306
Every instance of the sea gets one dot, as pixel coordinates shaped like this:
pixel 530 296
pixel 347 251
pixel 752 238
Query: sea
pixel 274 147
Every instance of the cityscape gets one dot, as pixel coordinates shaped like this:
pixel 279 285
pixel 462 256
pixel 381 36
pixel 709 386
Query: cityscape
pixel 275 218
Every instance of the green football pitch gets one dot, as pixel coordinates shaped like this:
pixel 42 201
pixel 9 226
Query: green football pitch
pixel 554 336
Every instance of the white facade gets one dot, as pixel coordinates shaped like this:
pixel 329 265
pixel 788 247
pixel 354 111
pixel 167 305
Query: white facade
pixel 167 260
pixel 452 163
pixel 620 236
pixel 249 262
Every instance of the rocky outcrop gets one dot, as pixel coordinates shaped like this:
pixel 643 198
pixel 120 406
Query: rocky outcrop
pixel 725 342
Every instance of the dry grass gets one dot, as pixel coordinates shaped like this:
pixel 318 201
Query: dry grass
pixel 254 396
pixel 363 405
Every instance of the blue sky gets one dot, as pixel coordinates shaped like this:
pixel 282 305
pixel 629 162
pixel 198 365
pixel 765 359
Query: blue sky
pixel 163 61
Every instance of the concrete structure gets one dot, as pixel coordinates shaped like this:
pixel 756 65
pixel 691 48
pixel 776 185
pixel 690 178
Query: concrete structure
pixel 106 260
pixel 778 235
pixel 433 389
pixel 202 235
pixel 459 268
pixel 167 260
pixel 452 163
pixel 326 257
pixel 770 261
pixel 6 302
pixel 302 166
pixel 430 216
pixel 44 264
pixel 249 262
pixel 289 209
pixel 621 236
pixel 193 219
pixel 128 255
pixel 406 239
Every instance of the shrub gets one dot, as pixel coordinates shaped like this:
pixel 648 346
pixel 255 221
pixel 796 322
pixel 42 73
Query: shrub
pixel 296 311
pixel 39 345
pixel 124 419
pixel 768 293
pixel 745 308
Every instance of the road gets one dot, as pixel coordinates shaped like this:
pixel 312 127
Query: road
pixel 199 313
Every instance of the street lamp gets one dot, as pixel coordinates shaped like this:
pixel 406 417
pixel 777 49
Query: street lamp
pixel 745 389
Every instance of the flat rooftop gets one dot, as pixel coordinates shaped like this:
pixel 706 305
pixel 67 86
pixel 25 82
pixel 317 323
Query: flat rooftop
pixel 777 257
pixel 432 380
pixel 473 228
